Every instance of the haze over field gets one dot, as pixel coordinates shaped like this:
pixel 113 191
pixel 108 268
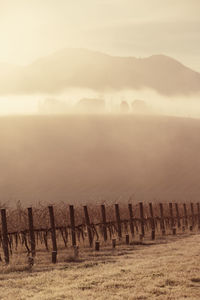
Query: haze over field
pixel 95 158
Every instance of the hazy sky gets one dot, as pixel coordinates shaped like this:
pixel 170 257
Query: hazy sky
pixel 33 28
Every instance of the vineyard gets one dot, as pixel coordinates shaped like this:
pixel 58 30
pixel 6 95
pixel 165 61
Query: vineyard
pixel 55 228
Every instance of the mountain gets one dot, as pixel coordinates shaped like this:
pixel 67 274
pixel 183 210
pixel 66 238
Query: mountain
pixel 94 70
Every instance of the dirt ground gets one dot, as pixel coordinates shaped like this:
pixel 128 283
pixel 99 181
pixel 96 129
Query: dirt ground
pixel 166 269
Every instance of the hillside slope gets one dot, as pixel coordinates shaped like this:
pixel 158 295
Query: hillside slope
pixel 90 158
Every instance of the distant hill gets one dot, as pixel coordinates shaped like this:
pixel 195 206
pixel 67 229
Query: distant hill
pixel 89 69
pixel 99 157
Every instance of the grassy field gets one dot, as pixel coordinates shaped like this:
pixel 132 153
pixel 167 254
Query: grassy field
pixel 169 268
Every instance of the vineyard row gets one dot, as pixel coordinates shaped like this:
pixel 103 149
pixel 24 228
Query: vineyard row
pixel 141 219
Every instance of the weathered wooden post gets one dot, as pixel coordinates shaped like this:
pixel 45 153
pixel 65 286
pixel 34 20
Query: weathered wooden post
pixel 192 215
pixel 162 224
pixel 142 218
pixel 198 211
pixel 174 231
pixel 152 221
pixel 113 243
pixel 72 221
pixel 153 235
pixel 76 251
pixel 177 215
pixel 4 235
pixel 117 214
pixel 87 220
pixel 97 246
pixel 103 214
pixel 31 230
pixel 131 219
pixel 127 239
pixel 171 215
pixel 53 234
pixel 185 215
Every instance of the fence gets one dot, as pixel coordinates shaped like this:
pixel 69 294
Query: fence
pixel 142 220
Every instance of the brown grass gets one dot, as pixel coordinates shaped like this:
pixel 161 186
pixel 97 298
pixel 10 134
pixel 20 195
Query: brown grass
pixel 168 269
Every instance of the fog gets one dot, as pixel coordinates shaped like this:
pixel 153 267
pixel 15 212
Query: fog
pixel 67 103
pixel 83 158
pixel 54 149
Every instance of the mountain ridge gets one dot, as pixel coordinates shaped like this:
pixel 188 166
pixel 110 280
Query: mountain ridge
pixel 83 68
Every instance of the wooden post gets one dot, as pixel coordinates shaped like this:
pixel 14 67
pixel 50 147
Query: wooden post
pixel 185 215
pixel 174 231
pixel 162 224
pixel 171 215
pixel 152 221
pixel 4 235
pixel 53 234
pixel 192 214
pixel 131 219
pixel 72 221
pixel 97 246
pixel 117 214
pixel 87 220
pixel 76 251
pixel 177 215
pixel 31 230
pixel 103 214
pixel 198 211
pixel 127 239
pixel 153 235
pixel 113 243
pixel 142 218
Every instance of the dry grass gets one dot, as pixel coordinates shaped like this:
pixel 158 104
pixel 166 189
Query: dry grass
pixel 168 269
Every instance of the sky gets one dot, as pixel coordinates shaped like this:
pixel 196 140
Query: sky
pixel 30 29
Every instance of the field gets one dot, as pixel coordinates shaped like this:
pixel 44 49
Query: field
pixel 97 160
pixel 82 159
pixel 168 269
pixel 144 267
